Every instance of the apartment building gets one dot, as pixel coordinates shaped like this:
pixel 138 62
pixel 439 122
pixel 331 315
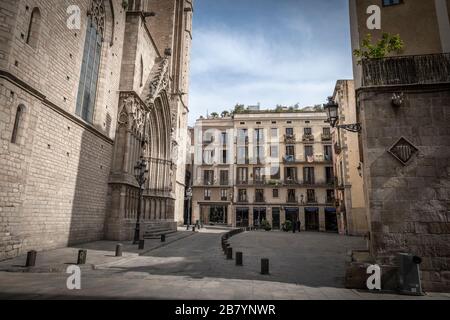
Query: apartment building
pixel 350 203
pixel 265 165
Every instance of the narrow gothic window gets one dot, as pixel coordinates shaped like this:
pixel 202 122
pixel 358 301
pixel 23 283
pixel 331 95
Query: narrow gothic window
pixel 34 28
pixel 141 70
pixel 87 89
pixel 17 123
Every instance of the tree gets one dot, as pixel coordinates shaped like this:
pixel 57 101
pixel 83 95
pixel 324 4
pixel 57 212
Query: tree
pixel 225 114
pixel 387 44
pixel 238 108
pixel 214 115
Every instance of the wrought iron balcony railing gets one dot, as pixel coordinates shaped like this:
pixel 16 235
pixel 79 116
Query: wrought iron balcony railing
pixel 404 70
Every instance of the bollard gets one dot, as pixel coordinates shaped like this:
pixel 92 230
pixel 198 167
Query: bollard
pixel 193 228
pixel 264 266
pixel 239 258
pixel 229 253
pixel 163 238
pixel 82 256
pixel 119 250
pixel 141 244
pixel 31 258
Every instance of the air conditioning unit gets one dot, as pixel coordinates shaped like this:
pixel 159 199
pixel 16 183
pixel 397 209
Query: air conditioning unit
pixel 409 274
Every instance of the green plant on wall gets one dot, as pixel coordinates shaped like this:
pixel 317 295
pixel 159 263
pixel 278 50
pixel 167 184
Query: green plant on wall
pixel 387 44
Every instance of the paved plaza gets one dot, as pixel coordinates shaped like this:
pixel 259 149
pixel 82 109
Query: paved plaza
pixel 192 266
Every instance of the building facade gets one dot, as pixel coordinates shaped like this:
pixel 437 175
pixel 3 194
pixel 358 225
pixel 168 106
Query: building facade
pixel 265 166
pixel 350 202
pixel 403 105
pixel 86 91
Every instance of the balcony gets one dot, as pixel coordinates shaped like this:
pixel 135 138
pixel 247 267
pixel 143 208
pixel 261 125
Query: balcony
pixel 208 141
pixel 326 136
pixel 242 200
pixel 291 181
pixel 259 199
pixel 406 70
pixel 208 182
pixel 289 158
pixel 289 138
pixel 242 182
pixel 259 182
pixel 308 138
pixel 311 200
pixel 291 199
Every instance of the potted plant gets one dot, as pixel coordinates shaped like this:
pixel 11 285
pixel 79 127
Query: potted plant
pixel 266 225
pixel 287 226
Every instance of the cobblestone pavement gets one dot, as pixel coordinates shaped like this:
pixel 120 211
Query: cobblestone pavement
pixel 303 266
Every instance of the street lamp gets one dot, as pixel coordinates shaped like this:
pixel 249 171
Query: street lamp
pixel 332 111
pixel 189 197
pixel 139 173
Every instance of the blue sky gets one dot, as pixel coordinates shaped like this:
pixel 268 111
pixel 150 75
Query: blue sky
pixel 267 51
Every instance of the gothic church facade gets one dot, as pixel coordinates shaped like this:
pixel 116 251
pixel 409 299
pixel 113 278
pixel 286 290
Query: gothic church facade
pixel 87 89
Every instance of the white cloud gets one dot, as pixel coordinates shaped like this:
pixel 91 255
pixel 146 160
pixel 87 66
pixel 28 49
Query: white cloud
pixel 230 66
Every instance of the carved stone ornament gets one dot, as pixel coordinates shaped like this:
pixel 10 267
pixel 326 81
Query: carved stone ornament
pixel 160 79
pixel 97 14
pixel 132 114
pixel 403 151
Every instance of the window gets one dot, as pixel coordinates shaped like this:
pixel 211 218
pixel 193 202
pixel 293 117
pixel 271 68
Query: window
pixel 242 195
pixel 223 137
pixel 308 175
pixel 328 153
pixel 259 136
pixel 311 196
pixel 208 156
pixel 242 175
pixel 207 194
pixel 208 177
pixel 141 73
pixel 326 131
pixel 274 152
pixel 309 153
pixel 307 131
pixel 242 136
pixel 275 193
pixel 289 122
pixel 291 195
pixel 387 3
pixel 223 194
pixel 275 173
pixel 274 122
pixel 274 132
pixel 259 154
pixel 259 195
pixel 289 132
pixel 224 156
pixel 290 154
pixel 224 177
pixel 34 28
pixel 291 174
pixel 329 175
pixel 87 88
pixel 258 174
pixel 330 196
pixel 17 123
pixel 242 155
